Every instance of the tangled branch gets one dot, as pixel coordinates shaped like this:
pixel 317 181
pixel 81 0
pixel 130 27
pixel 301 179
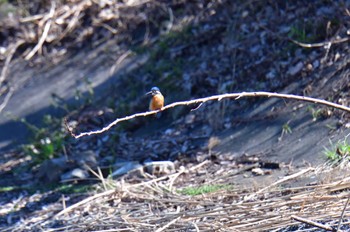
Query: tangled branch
pixel 200 101
pixel 45 32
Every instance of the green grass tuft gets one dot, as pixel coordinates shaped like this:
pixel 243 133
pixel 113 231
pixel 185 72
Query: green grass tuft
pixel 4 189
pixel 338 152
pixel 198 190
pixel 71 188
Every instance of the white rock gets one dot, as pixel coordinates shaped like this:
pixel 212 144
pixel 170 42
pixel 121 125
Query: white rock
pixel 158 168
pixel 258 171
pixel 76 173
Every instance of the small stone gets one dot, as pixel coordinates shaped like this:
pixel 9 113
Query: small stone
pixel 2 50
pixel 336 57
pixel 245 14
pixel 316 64
pixel 309 67
pixel 227 125
pixel 169 131
pixel 159 168
pixel 271 74
pixel 295 69
pixel 76 173
pixel 189 119
pixel 258 171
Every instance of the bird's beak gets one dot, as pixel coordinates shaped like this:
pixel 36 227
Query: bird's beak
pixel 149 93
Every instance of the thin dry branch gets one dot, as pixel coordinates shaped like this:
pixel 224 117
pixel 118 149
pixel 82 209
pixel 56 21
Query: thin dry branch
pixel 315 224
pixel 45 32
pixel 342 214
pixel 167 225
pixel 236 96
pixel 74 13
pixel 11 51
pixel 322 44
pixel 6 99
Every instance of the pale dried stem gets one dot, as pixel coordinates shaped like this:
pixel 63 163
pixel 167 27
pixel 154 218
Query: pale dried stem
pixel 6 99
pixel 342 214
pixel 214 98
pixel 322 44
pixel 11 51
pixel 46 30
pixel 312 223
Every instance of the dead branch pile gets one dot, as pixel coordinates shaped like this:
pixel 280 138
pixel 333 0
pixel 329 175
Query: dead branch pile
pixel 157 205
pixel 43 28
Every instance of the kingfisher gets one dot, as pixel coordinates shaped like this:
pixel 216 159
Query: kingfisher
pixel 157 101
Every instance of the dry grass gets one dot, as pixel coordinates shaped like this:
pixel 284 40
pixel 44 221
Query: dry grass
pixel 318 194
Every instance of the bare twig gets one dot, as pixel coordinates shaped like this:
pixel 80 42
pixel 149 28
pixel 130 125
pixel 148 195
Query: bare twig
pixel 7 98
pixel 12 49
pixel 31 18
pixel 196 108
pixel 342 214
pixel 316 224
pixel 195 226
pixel 213 98
pixel 98 175
pixel 119 61
pixel 64 206
pixel 45 32
pixel 73 22
pixel 322 44
pixel 167 225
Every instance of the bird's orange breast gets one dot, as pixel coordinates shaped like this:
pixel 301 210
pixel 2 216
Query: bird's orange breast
pixel 157 102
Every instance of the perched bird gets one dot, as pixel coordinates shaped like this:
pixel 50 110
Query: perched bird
pixel 157 101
